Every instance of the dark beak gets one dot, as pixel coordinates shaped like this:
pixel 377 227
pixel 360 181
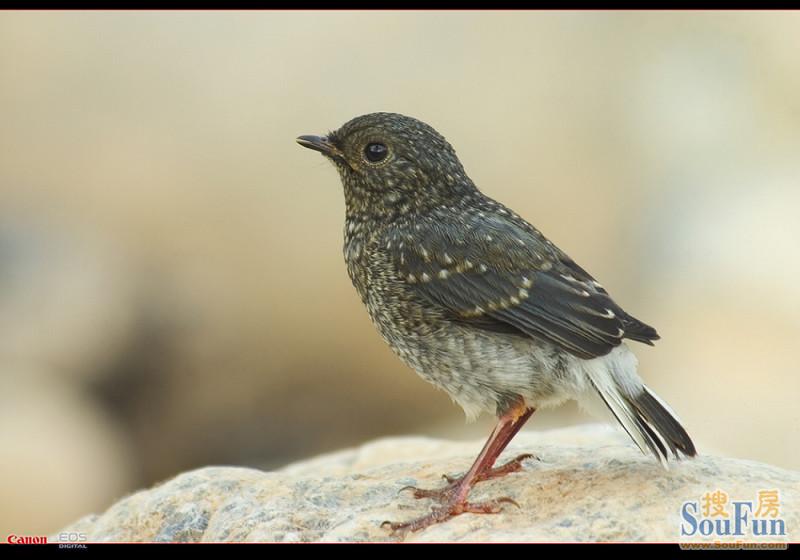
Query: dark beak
pixel 320 144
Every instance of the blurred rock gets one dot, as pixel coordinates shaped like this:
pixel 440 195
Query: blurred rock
pixel 67 309
pixel 67 297
pixel 589 485
pixel 59 447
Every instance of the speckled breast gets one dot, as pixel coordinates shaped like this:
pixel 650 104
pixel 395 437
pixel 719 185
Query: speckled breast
pixel 412 328
pixel 480 370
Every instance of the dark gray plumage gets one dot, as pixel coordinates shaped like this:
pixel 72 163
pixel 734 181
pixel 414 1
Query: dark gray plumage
pixel 473 297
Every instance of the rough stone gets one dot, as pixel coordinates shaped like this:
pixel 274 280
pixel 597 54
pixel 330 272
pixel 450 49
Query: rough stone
pixel 588 484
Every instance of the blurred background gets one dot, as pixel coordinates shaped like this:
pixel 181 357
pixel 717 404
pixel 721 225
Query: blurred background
pixel 172 289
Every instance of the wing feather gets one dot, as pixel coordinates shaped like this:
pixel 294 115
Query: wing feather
pixel 500 274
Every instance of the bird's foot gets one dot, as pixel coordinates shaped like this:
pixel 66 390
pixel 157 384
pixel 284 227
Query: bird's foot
pixel 443 495
pixel 447 511
pixel 514 465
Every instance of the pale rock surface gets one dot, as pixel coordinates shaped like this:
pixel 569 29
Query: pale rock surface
pixel 589 484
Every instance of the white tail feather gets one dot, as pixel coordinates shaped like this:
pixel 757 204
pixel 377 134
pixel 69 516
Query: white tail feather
pixel 615 380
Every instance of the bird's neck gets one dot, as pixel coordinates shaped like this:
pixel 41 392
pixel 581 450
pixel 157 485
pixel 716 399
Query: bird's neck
pixel 379 208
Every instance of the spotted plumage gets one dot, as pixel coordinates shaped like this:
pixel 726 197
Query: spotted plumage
pixel 473 297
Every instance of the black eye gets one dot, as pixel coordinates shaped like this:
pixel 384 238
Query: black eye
pixel 375 152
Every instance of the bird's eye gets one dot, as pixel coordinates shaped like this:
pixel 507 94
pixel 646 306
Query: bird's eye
pixel 375 152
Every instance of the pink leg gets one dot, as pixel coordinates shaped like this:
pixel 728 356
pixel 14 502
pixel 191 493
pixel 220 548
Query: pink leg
pixel 454 496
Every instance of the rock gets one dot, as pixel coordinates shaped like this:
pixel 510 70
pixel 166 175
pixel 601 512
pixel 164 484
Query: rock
pixel 68 311
pixel 53 422
pixel 588 484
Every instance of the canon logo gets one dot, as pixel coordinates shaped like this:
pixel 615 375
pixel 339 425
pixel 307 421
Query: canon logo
pixel 26 539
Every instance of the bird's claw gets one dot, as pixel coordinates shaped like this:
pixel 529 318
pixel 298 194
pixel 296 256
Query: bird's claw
pixel 445 512
pixel 443 494
pixel 440 494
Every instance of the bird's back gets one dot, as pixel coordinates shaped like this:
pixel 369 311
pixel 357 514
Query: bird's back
pixel 472 296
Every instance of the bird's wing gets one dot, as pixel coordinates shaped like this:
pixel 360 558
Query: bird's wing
pixel 498 273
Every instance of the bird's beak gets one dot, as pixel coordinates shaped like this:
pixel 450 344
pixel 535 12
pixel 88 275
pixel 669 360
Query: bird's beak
pixel 320 144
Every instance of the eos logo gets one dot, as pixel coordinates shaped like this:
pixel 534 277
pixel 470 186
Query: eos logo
pixel 71 537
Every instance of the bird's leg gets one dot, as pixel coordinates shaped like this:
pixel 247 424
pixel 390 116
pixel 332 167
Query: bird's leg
pixel 507 427
pixel 453 498
pixel 509 467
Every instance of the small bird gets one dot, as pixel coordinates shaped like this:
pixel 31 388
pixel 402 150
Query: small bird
pixel 479 303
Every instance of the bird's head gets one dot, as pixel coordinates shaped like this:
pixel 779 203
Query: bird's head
pixel 391 165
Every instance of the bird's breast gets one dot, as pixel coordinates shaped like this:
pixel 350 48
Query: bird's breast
pixel 477 368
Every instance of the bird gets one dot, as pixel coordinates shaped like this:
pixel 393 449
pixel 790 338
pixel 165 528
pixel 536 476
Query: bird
pixel 480 303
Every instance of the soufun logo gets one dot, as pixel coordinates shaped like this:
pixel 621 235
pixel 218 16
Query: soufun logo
pixel 716 515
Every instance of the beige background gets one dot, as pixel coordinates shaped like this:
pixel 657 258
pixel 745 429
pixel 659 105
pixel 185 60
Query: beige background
pixel 172 291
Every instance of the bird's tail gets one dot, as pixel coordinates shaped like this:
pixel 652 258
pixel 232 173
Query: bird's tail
pixel 648 420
